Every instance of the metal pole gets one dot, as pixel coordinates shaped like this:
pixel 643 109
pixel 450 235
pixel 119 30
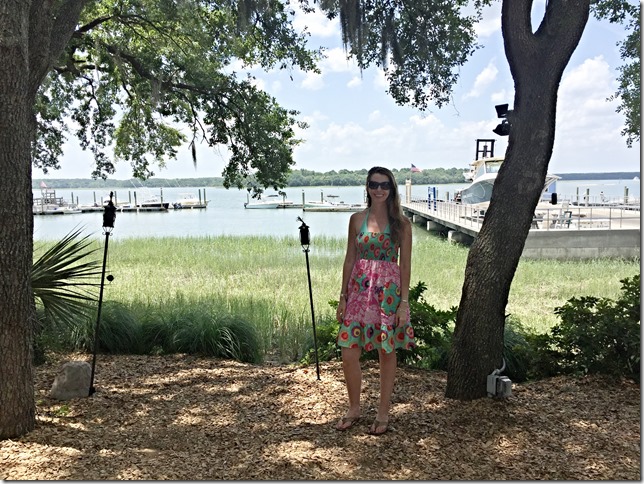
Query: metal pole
pixel 305 240
pixel 315 341
pixel 98 317
pixel 109 216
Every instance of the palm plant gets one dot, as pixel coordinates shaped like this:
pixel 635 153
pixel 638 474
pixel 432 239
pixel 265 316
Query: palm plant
pixel 63 279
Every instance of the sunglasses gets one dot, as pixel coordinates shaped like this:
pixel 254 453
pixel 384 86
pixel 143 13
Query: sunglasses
pixel 375 185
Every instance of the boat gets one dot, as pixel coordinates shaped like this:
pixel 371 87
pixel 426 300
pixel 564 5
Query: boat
pixel 152 203
pixel 324 202
pixel 314 204
pixel 482 173
pixel 189 200
pixel 271 201
pixel 337 207
pixel 50 204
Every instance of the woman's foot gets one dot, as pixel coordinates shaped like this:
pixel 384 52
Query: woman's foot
pixel 379 427
pixel 347 422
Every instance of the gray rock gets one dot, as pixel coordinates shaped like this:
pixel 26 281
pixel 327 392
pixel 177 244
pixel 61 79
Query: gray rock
pixel 72 381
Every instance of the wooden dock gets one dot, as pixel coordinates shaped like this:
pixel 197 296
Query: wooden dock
pixel 561 231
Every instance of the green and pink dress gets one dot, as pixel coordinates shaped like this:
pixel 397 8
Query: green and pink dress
pixel 373 296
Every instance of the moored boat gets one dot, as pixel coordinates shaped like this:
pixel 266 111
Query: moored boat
pixel 271 201
pixel 190 200
pixel 483 172
pixel 49 204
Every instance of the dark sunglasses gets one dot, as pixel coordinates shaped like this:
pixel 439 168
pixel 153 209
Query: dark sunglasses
pixel 384 185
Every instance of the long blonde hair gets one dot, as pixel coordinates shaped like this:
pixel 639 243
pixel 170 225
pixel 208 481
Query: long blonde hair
pixel 394 210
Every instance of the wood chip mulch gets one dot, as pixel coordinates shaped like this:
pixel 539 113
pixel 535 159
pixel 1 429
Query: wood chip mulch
pixel 185 418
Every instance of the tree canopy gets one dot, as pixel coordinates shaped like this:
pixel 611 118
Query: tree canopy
pixel 138 71
pixel 629 90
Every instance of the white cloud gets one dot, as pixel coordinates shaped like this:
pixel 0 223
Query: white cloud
pixel 379 80
pixel 313 81
pixel 354 82
pixel 502 97
pixel 491 22
pixel 276 86
pixel 317 24
pixel 375 116
pixel 336 61
pixel 485 78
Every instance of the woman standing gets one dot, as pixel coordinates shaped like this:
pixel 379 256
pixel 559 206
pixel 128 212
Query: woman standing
pixel 374 308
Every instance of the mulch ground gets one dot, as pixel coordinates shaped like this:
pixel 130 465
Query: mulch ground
pixel 186 418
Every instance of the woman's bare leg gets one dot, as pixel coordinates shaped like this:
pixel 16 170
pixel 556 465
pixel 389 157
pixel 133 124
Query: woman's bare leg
pixel 353 380
pixel 387 377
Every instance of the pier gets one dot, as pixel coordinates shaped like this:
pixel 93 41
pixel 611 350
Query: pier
pixel 561 231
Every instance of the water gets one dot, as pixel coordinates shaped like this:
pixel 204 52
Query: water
pixel 226 214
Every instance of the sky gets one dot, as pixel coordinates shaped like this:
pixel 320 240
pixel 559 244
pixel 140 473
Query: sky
pixel 354 124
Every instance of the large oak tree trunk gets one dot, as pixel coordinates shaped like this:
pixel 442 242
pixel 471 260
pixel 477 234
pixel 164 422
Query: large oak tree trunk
pixel 537 61
pixel 31 36
pixel 17 407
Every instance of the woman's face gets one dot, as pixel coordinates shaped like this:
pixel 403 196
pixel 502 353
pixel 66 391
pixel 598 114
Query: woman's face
pixel 379 188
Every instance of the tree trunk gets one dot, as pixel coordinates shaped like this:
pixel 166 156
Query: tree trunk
pixel 17 312
pixel 31 36
pixel 537 62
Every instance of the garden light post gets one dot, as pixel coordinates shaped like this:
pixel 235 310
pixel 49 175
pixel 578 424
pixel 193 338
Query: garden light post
pixel 305 240
pixel 109 216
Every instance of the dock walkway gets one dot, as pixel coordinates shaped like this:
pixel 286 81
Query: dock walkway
pixel 562 231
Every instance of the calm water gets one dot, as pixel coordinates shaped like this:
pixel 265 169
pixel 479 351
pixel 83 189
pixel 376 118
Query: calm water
pixel 226 214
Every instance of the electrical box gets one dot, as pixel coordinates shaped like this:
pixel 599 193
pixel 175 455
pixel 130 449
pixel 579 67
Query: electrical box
pixel 499 386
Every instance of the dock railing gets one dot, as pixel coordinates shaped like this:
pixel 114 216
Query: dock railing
pixel 563 216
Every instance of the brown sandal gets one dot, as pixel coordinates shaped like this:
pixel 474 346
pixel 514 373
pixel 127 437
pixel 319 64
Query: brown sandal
pixel 347 420
pixel 374 427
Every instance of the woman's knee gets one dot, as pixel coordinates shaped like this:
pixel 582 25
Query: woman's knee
pixel 351 355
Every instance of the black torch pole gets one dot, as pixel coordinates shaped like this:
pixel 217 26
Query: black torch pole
pixel 109 215
pixel 305 240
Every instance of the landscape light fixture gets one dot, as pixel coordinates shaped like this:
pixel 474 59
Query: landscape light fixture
pixel 305 241
pixel 109 216
pixel 502 111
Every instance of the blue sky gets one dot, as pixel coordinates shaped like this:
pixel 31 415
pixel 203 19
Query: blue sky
pixel 354 124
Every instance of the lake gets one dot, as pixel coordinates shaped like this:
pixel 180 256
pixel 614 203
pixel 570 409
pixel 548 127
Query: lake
pixel 226 214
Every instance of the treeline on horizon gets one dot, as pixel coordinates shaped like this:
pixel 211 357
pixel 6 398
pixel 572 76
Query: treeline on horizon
pixel 307 178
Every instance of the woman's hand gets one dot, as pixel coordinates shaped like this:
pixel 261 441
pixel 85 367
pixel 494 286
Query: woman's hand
pixel 401 313
pixel 339 314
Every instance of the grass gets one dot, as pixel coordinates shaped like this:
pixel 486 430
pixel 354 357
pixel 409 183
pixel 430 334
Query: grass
pixel 263 280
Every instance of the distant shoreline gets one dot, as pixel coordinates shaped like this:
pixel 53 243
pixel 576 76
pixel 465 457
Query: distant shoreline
pixel 216 182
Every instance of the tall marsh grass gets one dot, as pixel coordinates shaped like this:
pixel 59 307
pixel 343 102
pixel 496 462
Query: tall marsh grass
pixel 262 281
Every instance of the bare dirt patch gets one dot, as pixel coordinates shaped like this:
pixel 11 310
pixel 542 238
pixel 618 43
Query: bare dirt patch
pixel 186 418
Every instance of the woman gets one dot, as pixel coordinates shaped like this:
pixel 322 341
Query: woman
pixel 374 308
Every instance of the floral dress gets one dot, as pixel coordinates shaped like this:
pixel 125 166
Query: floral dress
pixel 373 297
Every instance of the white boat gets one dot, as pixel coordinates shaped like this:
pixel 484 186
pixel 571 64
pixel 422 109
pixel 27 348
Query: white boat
pixel 153 203
pixel 314 204
pixel 271 201
pixel 189 200
pixel 338 207
pixel 51 209
pixel 484 170
pixel 50 204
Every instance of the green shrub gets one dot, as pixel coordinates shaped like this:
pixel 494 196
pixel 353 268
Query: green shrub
pixel 432 331
pixel 597 335
pixel 517 350
pixel 326 334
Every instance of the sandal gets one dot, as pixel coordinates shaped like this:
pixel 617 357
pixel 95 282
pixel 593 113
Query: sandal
pixel 340 426
pixel 373 430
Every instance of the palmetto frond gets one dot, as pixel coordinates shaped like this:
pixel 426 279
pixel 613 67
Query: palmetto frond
pixel 64 277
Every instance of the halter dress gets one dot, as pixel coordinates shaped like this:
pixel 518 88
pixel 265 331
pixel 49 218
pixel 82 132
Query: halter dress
pixel 373 296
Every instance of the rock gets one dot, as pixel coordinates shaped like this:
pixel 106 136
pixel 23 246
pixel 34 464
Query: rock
pixel 72 381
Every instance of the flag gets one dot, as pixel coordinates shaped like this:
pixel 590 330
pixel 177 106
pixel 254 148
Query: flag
pixel 414 169
pixel 42 184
